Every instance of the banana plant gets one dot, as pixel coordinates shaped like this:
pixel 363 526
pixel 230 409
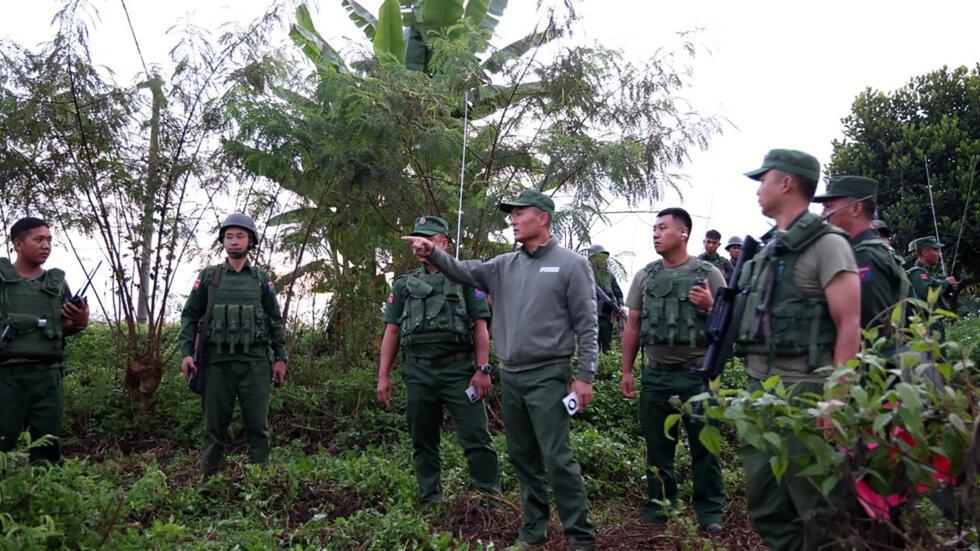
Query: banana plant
pixel 402 32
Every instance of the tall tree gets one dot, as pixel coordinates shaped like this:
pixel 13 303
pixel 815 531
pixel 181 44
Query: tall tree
pixel 366 146
pixel 933 119
pixel 130 166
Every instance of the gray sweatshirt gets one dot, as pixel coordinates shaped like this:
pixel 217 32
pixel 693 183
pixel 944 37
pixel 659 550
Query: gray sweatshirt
pixel 543 303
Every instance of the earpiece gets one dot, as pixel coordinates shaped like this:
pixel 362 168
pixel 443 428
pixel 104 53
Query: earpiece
pixel 684 235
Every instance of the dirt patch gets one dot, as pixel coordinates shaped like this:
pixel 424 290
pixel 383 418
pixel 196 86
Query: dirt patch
pixel 331 502
pixel 472 517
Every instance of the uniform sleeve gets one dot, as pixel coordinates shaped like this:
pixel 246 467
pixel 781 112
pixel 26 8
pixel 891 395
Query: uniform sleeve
pixel 634 298
pixel 834 255
pixel 869 273
pixel 582 313
pixel 277 334
pixel 395 303
pixel 476 304
pixel 716 280
pixel 193 311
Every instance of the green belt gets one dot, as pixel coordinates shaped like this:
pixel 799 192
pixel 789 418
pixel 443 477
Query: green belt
pixel 442 360
pixel 28 367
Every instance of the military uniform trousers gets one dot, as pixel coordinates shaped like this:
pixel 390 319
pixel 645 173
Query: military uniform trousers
pixel 786 514
pixel 248 379
pixel 605 334
pixel 537 427
pixel 428 389
pixel 32 399
pixel 658 384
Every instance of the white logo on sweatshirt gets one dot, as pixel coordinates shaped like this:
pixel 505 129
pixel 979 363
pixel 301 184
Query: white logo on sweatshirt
pixel 550 269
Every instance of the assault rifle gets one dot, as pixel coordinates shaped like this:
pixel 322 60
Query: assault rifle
pixel 76 300
pixel 602 300
pixel 952 296
pixel 725 316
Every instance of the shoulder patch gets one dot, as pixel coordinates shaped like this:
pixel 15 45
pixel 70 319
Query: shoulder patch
pixel 271 287
pixel 864 273
pixel 391 298
pixel 923 276
pixel 197 283
pixel 478 294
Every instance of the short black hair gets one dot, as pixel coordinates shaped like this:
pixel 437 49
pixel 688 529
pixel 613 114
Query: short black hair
pixel 679 214
pixel 869 209
pixel 22 227
pixel 807 186
pixel 712 234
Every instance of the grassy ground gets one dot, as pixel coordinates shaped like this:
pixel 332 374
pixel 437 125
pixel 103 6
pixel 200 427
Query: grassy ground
pixel 340 475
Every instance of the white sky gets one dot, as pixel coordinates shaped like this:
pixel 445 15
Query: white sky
pixel 783 73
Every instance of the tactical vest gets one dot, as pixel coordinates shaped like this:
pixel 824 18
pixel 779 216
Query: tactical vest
pixel 778 318
pixel 238 320
pixel 668 317
pixel 894 268
pixel 33 309
pixel 434 311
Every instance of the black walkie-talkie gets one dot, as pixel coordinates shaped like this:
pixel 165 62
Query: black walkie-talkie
pixel 76 300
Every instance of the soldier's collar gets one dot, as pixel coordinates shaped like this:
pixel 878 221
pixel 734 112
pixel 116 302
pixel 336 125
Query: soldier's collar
pixel 866 235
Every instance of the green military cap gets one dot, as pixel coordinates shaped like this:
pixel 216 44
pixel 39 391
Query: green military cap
pixel 427 226
pixel 733 241
pixel 788 160
pixel 530 198
pixel 858 187
pixel 597 249
pixel 927 242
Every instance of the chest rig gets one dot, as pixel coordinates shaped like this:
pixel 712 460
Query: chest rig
pixel 238 320
pixel 435 311
pixel 668 317
pixel 33 309
pixel 779 319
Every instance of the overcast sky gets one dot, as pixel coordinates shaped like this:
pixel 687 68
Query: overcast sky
pixel 783 73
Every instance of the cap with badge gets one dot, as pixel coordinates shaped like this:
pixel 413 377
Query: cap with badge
pixel 788 160
pixel 927 242
pixel 858 187
pixel 530 198
pixel 427 226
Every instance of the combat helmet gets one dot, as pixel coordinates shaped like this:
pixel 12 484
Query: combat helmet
pixel 239 220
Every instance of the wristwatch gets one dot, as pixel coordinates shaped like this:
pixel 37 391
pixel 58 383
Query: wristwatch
pixel 485 368
pixel 283 359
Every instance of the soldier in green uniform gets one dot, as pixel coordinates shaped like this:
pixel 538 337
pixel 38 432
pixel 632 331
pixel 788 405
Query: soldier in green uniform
pixel 610 308
pixel 668 305
pixel 442 328
pixel 884 232
pixel 35 317
pixel 734 248
pixel 245 327
pixel 802 312
pixel 849 204
pixel 712 240
pixel 922 276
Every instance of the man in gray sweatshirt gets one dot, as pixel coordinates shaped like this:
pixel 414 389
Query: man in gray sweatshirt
pixel 543 306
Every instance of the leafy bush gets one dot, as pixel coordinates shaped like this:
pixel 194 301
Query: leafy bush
pixel 885 432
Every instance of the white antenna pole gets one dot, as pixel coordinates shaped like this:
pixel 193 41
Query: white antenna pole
pixel 462 174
